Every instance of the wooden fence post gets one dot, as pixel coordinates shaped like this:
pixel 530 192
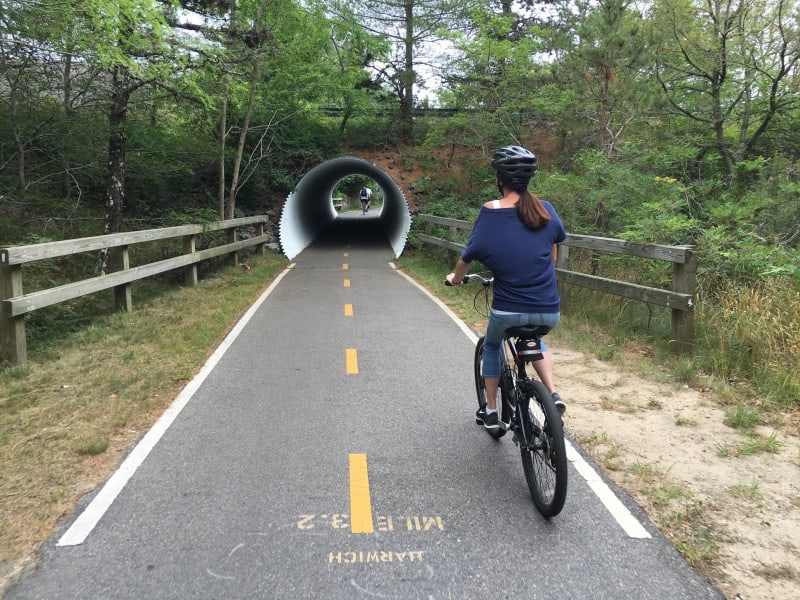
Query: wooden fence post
pixel 233 257
pixel 13 346
pixel 190 271
pixel 683 281
pixel 261 230
pixel 119 260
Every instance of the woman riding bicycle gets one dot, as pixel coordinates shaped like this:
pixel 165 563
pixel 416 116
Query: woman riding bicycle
pixel 515 238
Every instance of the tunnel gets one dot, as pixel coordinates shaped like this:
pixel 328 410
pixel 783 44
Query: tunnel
pixel 309 212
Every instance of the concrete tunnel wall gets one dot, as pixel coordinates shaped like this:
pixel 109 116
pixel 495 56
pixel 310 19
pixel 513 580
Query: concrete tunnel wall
pixel 309 208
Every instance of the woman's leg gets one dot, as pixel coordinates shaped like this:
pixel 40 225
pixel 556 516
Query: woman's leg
pixel 492 384
pixel 495 330
pixel 544 369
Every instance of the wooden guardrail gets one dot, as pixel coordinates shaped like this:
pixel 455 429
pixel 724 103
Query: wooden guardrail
pixel 680 299
pixel 14 304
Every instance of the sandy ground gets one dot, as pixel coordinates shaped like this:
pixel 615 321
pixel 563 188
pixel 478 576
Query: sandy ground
pixel 736 516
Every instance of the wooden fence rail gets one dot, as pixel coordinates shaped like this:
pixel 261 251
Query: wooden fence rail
pixel 680 299
pixel 14 304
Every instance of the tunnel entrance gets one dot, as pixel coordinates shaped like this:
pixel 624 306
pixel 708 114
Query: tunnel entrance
pixel 309 212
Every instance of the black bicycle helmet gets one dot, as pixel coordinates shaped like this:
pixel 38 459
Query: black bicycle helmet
pixel 515 164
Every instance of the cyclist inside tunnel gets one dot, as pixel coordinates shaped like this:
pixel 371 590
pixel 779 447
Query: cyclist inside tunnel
pixel 516 238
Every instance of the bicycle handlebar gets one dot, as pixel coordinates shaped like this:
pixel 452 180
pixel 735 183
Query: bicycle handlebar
pixel 473 277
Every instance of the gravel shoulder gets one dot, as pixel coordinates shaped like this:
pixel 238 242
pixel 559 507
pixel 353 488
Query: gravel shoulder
pixel 729 500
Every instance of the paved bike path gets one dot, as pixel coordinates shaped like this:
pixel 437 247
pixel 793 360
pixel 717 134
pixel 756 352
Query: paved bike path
pixel 248 493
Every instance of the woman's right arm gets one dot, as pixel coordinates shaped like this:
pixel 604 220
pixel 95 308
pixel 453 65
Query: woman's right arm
pixel 457 277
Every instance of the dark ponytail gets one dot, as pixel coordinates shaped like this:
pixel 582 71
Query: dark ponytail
pixel 530 209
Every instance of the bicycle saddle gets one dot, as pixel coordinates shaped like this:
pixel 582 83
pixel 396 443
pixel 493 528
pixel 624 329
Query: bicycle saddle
pixel 527 331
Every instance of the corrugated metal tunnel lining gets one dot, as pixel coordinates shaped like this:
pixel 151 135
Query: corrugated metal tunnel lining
pixel 309 208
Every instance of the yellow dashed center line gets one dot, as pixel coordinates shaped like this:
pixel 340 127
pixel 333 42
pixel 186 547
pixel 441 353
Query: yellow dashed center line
pixel 351 361
pixel 347 283
pixel 360 503
pixel 345 266
pixel 348 310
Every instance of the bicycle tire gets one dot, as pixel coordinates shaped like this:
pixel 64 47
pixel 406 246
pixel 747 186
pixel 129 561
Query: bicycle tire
pixel 480 390
pixel 544 456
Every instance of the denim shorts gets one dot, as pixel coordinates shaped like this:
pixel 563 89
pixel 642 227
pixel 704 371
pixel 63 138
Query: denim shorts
pixel 499 321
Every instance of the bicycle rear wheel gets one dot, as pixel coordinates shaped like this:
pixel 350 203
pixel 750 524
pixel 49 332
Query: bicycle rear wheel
pixel 480 389
pixel 544 456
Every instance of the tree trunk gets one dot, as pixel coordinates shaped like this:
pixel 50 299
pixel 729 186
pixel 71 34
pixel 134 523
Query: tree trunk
pixel 65 144
pixel 346 114
pixel 719 133
pixel 407 82
pixel 601 140
pixel 115 195
pixel 223 126
pixel 237 162
pixel 20 145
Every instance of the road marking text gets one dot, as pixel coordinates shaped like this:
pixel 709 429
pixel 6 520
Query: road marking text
pixel 377 556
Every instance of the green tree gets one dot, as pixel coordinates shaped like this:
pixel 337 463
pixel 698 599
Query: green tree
pixel 37 66
pixel 729 67
pixel 408 25
pixel 349 84
pixel 494 77
pixel 603 71
pixel 123 47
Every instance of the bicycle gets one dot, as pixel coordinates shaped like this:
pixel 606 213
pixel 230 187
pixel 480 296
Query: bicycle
pixel 526 408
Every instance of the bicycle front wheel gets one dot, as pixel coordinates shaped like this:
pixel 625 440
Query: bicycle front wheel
pixel 480 389
pixel 544 456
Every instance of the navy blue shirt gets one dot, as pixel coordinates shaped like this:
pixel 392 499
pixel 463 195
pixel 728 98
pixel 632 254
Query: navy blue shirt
pixel 519 258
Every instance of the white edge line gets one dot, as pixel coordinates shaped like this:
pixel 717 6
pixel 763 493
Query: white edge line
pixel 88 519
pixel 614 505
pixel 632 527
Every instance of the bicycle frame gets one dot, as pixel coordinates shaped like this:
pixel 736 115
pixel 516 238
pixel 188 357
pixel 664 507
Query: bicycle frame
pixel 513 373
pixel 531 413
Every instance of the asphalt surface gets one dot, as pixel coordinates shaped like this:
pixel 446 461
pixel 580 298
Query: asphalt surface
pixel 266 484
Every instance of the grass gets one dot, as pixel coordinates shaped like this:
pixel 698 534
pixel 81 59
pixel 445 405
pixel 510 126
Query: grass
pixel 754 444
pixel 759 445
pixel 621 405
pixel 745 491
pixel 723 450
pixel 71 413
pixel 741 417
pixel 750 335
pixel 603 449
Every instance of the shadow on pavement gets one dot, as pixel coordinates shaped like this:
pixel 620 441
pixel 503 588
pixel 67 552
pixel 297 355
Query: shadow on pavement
pixel 355 230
